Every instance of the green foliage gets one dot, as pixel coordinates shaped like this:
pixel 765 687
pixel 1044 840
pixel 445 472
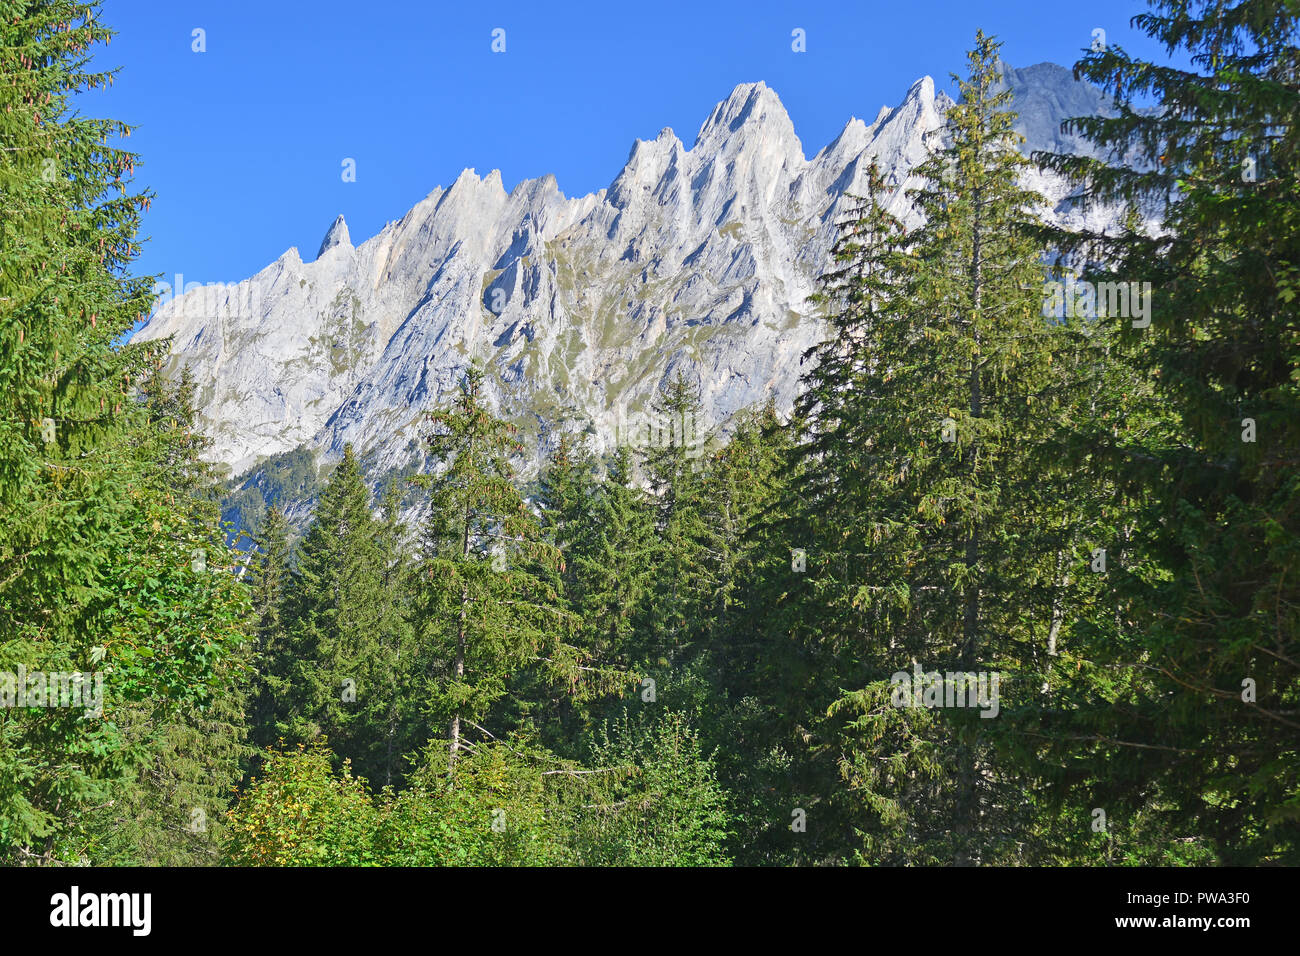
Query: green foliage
pixel 300 812
pixel 338 668
pixel 100 509
pixel 681 589
pixel 499 811
pixel 654 798
pixel 686 654
pixel 1203 602
pixel 270 592
pixel 282 480
pixel 186 757
pixel 653 801
pixel 486 603
pixel 926 476
pixel 605 531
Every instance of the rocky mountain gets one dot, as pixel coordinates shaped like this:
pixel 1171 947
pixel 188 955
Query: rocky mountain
pixel 698 260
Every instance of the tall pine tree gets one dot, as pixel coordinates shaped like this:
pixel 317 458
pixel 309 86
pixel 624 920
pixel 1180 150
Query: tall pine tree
pixel 484 605
pixel 1197 724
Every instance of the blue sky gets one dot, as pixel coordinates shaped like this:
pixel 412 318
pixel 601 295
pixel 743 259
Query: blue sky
pixel 244 143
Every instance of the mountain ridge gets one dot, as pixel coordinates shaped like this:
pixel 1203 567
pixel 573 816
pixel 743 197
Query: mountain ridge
pixel 696 260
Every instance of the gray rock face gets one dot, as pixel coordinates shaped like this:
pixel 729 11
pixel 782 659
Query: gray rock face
pixel 336 236
pixel 699 260
pixel 1045 94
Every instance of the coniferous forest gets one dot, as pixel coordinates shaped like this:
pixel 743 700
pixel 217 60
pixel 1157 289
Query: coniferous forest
pixel 1008 586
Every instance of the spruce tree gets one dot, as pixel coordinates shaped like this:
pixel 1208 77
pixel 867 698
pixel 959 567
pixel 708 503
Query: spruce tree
pixel 270 588
pixel 566 495
pixel 346 627
pixel 928 424
pixel 95 556
pixel 682 589
pixel 612 572
pixel 186 756
pixel 1195 722
pixel 482 609
pixel 394 714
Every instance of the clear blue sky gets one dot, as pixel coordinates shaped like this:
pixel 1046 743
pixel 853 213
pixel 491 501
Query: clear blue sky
pixel 243 143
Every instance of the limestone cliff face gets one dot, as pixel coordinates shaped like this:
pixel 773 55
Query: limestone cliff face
pixel 699 260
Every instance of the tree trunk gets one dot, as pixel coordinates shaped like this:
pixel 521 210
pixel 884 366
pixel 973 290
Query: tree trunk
pixel 460 672
pixel 1058 611
pixel 454 747
pixel 968 810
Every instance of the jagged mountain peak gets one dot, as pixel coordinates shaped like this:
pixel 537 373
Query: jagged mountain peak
pixel 541 186
pixel 336 235
pixel 922 88
pixel 851 140
pixel 750 106
pixel 470 179
pixel 666 141
pixel 921 104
